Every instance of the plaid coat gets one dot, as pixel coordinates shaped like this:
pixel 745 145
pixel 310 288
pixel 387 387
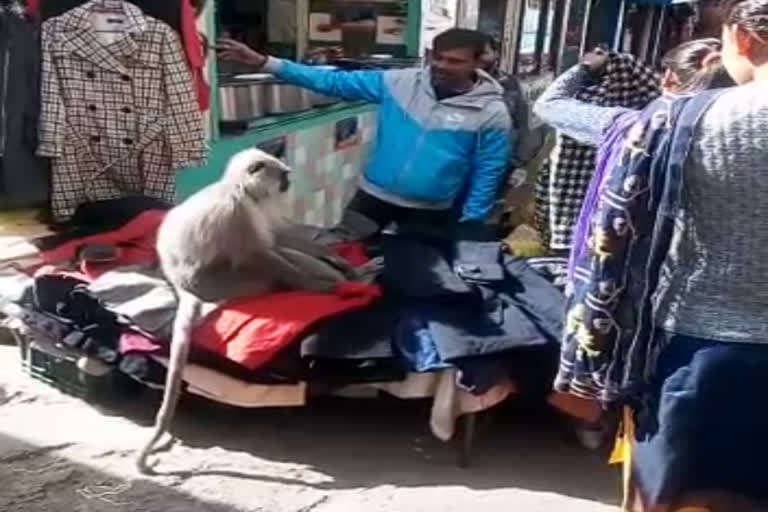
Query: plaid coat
pixel 117 119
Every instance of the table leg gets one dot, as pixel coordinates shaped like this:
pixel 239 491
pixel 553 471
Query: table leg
pixel 467 439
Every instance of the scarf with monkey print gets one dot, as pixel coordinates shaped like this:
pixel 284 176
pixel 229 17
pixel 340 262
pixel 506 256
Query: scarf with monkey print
pixel 609 348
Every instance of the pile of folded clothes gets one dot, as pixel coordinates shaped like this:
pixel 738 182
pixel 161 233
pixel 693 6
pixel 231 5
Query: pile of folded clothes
pixel 458 321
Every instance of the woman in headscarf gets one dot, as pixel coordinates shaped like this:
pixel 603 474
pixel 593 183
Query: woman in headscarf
pixel 624 81
pixel 668 301
pixel 689 68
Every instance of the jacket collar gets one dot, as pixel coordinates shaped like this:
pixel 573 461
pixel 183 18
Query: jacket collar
pixel 79 37
pixel 485 91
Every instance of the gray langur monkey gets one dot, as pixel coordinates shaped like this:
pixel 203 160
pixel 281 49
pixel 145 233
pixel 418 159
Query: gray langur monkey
pixel 230 240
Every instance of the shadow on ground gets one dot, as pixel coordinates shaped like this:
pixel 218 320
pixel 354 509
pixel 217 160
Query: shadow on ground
pixel 371 443
pixel 35 479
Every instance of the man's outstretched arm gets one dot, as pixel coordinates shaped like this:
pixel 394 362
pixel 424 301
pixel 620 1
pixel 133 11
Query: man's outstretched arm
pixel 348 85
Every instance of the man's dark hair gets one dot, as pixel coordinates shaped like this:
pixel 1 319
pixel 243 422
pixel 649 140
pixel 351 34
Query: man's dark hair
pixel 460 38
pixel 494 43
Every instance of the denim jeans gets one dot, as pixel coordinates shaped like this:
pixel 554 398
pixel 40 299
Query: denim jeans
pixel 703 429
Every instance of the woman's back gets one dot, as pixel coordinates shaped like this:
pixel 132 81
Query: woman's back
pixel 715 281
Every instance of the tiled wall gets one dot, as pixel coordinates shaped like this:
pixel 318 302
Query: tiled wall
pixel 324 178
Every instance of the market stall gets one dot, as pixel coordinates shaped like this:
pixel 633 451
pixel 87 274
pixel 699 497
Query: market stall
pixel 129 102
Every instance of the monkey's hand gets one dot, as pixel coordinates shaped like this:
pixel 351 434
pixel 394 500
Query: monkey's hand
pixel 318 274
pixel 296 241
pixel 296 270
pixel 368 272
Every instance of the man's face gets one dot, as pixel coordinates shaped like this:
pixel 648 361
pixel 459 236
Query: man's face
pixel 453 69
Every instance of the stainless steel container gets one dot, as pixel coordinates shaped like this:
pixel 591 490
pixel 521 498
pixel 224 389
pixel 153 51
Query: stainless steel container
pixel 283 98
pixel 241 101
pixel 252 96
pixel 320 100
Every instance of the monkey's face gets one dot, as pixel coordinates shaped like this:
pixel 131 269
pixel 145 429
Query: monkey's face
pixel 261 175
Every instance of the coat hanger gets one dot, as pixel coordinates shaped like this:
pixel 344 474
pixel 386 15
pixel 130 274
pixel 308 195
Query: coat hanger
pixel 109 6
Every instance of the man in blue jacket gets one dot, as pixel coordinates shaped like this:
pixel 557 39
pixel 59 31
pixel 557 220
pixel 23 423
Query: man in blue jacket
pixel 443 134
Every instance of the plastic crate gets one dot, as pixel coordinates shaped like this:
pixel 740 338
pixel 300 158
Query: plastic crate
pixel 59 369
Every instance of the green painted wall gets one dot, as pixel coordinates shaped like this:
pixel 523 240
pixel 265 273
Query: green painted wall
pixel 413 29
pixel 190 180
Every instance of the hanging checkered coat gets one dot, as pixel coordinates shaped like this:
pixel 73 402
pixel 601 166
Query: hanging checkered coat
pixel 562 183
pixel 117 119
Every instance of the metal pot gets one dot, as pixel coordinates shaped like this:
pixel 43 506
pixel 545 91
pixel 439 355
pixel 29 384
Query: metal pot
pixel 320 100
pixel 286 99
pixel 251 96
pixel 241 101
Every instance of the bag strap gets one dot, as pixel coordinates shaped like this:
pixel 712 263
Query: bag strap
pixel 685 128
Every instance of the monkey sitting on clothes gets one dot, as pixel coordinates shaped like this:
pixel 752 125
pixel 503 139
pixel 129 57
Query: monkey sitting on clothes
pixel 231 240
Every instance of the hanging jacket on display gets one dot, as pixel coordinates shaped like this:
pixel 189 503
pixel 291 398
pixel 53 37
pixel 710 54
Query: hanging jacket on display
pixel 119 110
pixel 23 177
pixel 167 11
pixel 178 14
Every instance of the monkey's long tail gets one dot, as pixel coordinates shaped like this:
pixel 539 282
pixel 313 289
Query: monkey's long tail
pixel 186 315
